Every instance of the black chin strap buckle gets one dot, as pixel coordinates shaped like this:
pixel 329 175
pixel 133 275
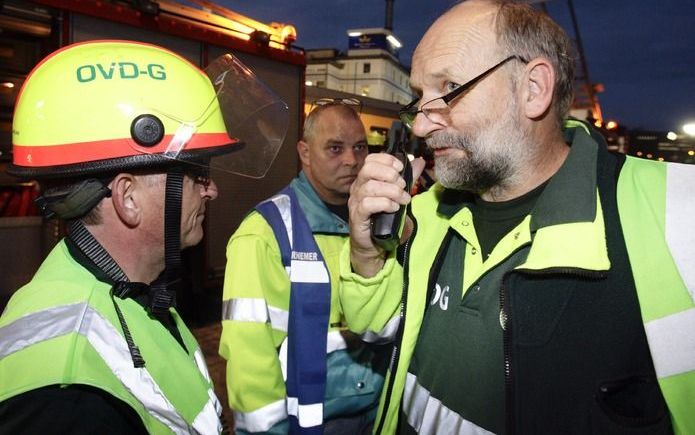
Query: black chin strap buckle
pixel 126 289
pixel 161 300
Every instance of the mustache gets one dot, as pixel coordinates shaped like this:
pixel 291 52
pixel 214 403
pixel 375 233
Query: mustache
pixel 446 140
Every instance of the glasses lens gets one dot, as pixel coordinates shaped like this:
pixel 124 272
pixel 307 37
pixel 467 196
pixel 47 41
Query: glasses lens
pixel 408 113
pixel 407 118
pixel 351 101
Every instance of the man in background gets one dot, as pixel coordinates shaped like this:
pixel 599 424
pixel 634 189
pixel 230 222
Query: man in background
pixel 291 366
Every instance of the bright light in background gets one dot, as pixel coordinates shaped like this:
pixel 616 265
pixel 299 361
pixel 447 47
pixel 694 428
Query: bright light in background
pixel 354 33
pixel 610 125
pixel 691 153
pixel 689 129
pixel 309 83
pixel 395 42
pixel 8 85
pixel 671 135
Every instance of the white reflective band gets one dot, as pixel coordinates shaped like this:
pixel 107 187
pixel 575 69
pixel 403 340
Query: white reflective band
pixel 278 318
pixel 254 310
pixel 680 209
pixel 308 271
pixel 307 415
pixel 22 332
pixel 428 415
pixel 245 310
pixel 335 341
pixel 107 342
pixel 214 402
pixel 283 203
pixel 202 365
pixel 282 356
pixel 672 343
pixel 208 421
pixel 262 419
pixel 386 335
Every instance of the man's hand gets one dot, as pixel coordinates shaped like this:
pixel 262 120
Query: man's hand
pixel 378 188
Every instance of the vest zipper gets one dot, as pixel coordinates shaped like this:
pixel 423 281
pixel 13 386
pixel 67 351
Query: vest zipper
pixel 396 352
pixel 505 320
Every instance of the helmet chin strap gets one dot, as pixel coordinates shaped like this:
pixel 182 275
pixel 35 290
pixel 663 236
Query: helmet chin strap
pixel 165 287
pixel 161 294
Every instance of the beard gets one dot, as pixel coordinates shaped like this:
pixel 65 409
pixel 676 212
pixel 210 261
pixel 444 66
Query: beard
pixel 494 154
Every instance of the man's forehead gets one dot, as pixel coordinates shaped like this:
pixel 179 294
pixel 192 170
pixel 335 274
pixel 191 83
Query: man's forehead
pixel 334 125
pixel 464 35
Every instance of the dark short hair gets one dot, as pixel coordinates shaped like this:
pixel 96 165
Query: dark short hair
pixel 313 117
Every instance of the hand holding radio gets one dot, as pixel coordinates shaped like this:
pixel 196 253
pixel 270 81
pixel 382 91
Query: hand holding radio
pixel 377 207
pixel 387 227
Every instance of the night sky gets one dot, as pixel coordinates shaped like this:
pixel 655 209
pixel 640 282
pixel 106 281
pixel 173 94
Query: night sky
pixel 642 51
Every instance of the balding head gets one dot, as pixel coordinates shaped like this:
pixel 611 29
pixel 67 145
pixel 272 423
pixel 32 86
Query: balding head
pixel 332 150
pixel 481 31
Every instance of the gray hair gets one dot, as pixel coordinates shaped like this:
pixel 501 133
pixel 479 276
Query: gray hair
pixel 530 33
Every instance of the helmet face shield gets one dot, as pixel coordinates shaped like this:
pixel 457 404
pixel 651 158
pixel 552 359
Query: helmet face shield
pixel 252 113
pixel 253 117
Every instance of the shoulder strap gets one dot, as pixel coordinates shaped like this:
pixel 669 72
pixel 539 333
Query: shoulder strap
pixel 309 312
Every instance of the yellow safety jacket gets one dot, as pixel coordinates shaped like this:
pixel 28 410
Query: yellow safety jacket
pixel 637 207
pixel 61 328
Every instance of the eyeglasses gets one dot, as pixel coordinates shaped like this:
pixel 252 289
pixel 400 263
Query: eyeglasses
pixel 199 174
pixel 352 102
pixel 435 109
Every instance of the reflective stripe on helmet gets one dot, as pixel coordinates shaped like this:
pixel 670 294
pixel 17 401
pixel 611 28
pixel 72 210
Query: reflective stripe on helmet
pixel 65 154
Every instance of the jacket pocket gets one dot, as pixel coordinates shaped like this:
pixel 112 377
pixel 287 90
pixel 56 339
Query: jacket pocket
pixel 632 405
pixel 353 382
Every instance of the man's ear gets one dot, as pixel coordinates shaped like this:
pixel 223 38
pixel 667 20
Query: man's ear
pixel 303 151
pixel 538 88
pixel 125 199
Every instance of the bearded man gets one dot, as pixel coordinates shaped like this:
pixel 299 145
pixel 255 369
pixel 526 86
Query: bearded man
pixel 546 285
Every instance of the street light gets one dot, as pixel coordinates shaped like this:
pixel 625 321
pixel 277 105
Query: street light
pixel 689 129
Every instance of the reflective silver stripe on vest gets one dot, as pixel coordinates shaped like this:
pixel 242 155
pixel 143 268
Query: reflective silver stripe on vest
pixel 284 206
pixel 108 343
pixel 680 209
pixel 307 415
pixel 204 423
pixel 672 343
pixel 428 415
pixel 386 335
pixel 261 419
pixel 208 421
pixel 255 310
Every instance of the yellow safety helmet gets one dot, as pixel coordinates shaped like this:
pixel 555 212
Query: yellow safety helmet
pixel 106 106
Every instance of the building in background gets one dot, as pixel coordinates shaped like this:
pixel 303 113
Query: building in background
pixel 370 68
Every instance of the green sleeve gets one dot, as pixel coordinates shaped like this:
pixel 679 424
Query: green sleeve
pixel 370 304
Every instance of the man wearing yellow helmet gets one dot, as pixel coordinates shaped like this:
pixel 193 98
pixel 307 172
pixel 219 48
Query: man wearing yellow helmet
pixel 122 136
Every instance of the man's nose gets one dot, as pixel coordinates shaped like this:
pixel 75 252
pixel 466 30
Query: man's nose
pixel 350 158
pixel 423 126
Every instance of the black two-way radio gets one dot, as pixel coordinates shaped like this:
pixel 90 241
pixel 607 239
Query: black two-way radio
pixel 386 228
